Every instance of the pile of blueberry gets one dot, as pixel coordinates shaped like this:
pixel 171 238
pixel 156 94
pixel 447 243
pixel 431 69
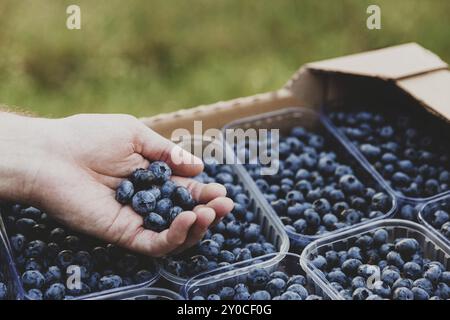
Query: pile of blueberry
pixel 51 258
pixel 415 162
pixel 237 237
pixel 314 192
pixel 259 284
pixel 152 194
pixel 373 268
pixel 3 288
pixel 438 217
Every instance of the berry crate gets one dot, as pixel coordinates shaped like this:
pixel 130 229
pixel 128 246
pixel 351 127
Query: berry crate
pixel 289 118
pixel 142 294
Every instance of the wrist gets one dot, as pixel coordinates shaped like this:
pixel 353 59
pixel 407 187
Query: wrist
pixel 22 144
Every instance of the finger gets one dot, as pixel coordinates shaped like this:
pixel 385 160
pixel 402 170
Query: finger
pixel 156 147
pixel 205 216
pixel 159 244
pixel 201 192
pixel 221 206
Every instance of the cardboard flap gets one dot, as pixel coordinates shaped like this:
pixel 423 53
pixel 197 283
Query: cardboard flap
pixel 432 90
pixel 389 63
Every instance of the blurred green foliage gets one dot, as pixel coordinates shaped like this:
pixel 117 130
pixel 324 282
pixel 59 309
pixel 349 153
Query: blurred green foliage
pixel 146 57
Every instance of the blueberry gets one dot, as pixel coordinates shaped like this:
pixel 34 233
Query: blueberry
pixel 381 289
pixel 35 294
pixel 35 249
pixel 56 291
pixel 244 254
pixel 425 284
pixel 351 185
pixel 109 282
pixel 412 270
pixel 213 297
pixel 155 222
pixel 312 218
pixel 432 273
pixel 168 188
pixel 403 293
pixel 163 207
pixel 439 218
pixel 72 243
pixel 395 259
pixel 226 293
pixel 161 171
pixel 94 280
pixel 65 258
pixel 289 295
pixel 389 276
pixel 339 277
pixel 357 282
pixel 361 294
pixel 298 289
pixel 258 278
pixel 260 295
pixel 198 264
pixel 33 279
pixel 380 202
pixel 380 237
pixel 57 235
pixel 442 291
pixel 276 287
pixel 320 262
pixel 209 248
pixel 125 192
pixel 173 213
pixel 252 232
pixel 407 247
pixel 143 202
pixel 17 242
pixel 182 197
pixel 351 216
pixel 402 282
pixel 143 178
pixel 420 294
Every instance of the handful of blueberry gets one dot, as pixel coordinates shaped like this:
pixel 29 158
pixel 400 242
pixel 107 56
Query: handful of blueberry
pixel 314 192
pixel 438 217
pixel 152 194
pixel 259 284
pixel 371 267
pixel 56 263
pixel 415 162
pixel 237 237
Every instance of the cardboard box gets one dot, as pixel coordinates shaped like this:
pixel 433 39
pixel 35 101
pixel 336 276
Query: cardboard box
pixel 406 74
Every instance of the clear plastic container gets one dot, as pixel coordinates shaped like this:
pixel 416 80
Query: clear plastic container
pixel 141 294
pixel 442 203
pixel 19 291
pixel 270 226
pixel 428 121
pixel 237 273
pixel 285 120
pixel 432 246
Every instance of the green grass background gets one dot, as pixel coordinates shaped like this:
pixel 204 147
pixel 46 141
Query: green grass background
pixel 146 57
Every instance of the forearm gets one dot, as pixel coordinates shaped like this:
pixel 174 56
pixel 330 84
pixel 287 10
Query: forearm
pixel 22 144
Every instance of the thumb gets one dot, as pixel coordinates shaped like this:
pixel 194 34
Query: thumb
pixel 155 147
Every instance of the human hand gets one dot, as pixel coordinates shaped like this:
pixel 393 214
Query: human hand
pixel 70 168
